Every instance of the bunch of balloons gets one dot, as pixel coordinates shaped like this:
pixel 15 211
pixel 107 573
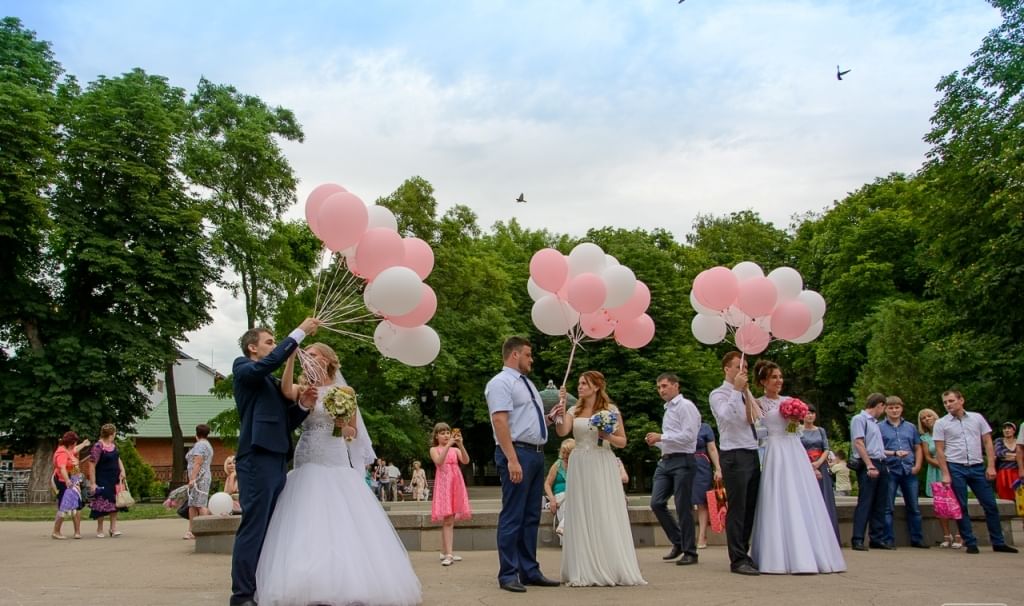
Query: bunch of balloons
pixel 390 268
pixel 589 293
pixel 756 307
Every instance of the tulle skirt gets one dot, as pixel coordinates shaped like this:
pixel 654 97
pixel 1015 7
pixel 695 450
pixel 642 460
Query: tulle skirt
pixel 330 542
pixel 793 532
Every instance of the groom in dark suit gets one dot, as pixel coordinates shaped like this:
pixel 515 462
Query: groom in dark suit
pixel 267 420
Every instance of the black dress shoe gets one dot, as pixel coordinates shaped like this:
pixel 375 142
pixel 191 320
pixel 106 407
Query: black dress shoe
pixel 673 554
pixel 858 547
pixel 919 546
pixel 542 581
pixel 686 560
pixel 972 549
pixel 747 569
pixel 513 586
pixel 1004 549
pixel 243 602
pixel 884 546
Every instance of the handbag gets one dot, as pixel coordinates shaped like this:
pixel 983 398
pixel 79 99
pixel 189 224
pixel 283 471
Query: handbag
pixel 718 507
pixel 945 502
pixel 854 464
pixel 124 499
pixel 1018 497
pixel 183 509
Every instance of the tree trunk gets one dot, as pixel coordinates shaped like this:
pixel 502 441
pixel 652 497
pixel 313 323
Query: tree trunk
pixel 42 469
pixel 177 440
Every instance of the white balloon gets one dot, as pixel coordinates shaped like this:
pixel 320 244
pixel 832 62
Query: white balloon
pixel 746 270
pixel 536 292
pixel 220 504
pixel 384 337
pixel 586 258
pixel 395 291
pixel 788 282
pixel 815 302
pixel 765 322
pixel 416 346
pixel 553 317
pixel 368 299
pixel 620 283
pixel 381 216
pixel 709 330
pixel 811 334
pixel 734 317
pixel 610 260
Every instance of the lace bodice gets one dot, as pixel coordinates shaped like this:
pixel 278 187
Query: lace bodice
pixel 318 443
pixel 776 425
pixel 585 435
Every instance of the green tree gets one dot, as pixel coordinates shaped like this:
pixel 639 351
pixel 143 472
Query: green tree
pixel 126 270
pixel 975 214
pixel 233 154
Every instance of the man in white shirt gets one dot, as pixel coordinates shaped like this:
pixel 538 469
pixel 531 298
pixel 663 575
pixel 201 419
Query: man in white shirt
pixel 394 474
pixel 735 410
pixel 674 474
pixel 959 439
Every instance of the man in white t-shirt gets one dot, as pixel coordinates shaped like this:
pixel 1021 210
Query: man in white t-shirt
pixel 960 437
pixel 394 474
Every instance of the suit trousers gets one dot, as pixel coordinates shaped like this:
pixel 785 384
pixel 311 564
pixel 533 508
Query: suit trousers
pixel 519 519
pixel 261 478
pixel 741 474
pixel 674 477
pixel 872 499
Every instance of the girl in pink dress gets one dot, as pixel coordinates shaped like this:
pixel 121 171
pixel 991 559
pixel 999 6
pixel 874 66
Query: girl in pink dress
pixel 451 502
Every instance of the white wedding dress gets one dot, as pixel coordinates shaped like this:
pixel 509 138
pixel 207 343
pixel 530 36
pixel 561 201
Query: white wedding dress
pixel 597 545
pixel 792 533
pixel 329 540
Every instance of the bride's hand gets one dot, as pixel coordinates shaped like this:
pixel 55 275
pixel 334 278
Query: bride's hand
pixel 308 396
pixel 348 432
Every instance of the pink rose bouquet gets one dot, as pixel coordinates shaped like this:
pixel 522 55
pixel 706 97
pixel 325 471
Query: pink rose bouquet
pixel 794 411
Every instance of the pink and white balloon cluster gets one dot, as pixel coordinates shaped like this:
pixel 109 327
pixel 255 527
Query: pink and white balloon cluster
pixel 592 290
pixel 393 268
pixel 756 306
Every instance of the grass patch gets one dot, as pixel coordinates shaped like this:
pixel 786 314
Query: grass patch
pixel 46 512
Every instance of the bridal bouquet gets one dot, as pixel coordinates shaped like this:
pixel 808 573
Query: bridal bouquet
pixel 340 403
pixel 605 421
pixel 794 411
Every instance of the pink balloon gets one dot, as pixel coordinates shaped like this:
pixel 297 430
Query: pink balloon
pixel 716 288
pixel 587 292
pixel 379 249
pixel 418 257
pixel 422 313
pixel 757 297
pixel 549 269
pixel 635 333
pixel 342 220
pixel 791 319
pixel 353 268
pixel 315 200
pixel 751 339
pixel 636 305
pixel 597 325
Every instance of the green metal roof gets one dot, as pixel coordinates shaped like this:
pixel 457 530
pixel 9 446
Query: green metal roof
pixel 192 410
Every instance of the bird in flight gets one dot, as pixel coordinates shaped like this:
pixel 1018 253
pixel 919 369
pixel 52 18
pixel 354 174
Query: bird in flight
pixel 840 74
pixel 521 199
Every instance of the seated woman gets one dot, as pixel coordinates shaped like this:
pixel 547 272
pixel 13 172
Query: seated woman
pixel 231 484
pixel 554 486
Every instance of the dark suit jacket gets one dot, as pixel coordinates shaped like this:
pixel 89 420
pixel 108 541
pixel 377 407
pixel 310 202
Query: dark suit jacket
pixel 267 417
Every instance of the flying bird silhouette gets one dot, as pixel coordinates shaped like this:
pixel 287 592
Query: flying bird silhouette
pixel 521 199
pixel 839 74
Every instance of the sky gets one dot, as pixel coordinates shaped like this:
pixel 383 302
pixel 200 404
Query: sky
pixel 633 114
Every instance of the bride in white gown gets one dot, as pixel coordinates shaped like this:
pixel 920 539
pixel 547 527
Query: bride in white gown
pixel 792 533
pixel 330 541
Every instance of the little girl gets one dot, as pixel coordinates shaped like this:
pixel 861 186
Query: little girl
pixel 72 499
pixel 451 502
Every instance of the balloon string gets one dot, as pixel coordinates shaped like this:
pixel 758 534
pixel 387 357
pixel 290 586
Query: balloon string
pixel 575 335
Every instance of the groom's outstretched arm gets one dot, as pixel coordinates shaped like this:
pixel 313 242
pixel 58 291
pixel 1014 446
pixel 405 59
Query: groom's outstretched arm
pixel 258 369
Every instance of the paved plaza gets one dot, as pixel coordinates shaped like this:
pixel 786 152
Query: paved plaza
pixel 152 565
